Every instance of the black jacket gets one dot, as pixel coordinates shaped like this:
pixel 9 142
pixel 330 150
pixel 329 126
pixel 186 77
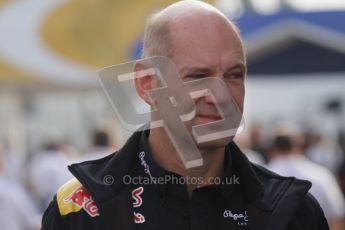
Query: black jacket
pixel 93 200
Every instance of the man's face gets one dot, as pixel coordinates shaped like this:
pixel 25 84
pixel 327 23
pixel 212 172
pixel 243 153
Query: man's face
pixel 209 48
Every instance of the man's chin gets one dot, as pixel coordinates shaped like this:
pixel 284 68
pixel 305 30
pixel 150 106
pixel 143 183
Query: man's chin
pixel 214 144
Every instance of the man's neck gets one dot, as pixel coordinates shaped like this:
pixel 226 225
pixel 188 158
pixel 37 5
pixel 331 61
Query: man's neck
pixel 164 153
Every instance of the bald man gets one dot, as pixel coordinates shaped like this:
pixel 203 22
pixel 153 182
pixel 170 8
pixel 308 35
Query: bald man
pixel 145 185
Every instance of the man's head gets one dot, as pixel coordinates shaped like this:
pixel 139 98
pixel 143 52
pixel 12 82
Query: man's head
pixel 289 140
pixel 158 33
pixel 100 139
pixel 201 42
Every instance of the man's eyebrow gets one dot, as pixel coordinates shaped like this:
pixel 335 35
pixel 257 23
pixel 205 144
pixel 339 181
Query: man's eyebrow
pixel 196 69
pixel 204 69
pixel 240 66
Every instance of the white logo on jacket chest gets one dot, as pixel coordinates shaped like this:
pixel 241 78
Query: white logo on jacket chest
pixel 145 165
pixel 239 218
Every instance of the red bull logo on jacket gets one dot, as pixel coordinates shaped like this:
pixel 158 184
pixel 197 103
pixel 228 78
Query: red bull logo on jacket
pixel 72 197
pixel 83 199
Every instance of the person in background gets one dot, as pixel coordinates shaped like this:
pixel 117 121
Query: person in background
pixel 101 146
pixel 17 212
pixel 341 176
pixel 325 151
pixel 244 142
pixel 47 172
pixel 257 139
pixel 287 158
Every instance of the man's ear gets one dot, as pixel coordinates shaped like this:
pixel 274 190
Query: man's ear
pixel 144 81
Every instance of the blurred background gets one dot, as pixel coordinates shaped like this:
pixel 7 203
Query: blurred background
pixel 53 111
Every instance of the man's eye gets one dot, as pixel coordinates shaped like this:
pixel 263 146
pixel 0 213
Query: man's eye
pixel 195 77
pixel 238 76
pixel 234 76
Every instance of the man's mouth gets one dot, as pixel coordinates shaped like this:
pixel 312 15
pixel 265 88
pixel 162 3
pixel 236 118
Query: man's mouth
pixel 207 118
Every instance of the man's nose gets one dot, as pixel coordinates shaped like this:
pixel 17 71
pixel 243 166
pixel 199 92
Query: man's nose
pixel 209 98
pixel 215 92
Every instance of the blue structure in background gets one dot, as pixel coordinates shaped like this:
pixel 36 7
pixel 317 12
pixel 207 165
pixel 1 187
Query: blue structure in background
pixel 136 49
pixel 290 42
pixel 294 42
pixel 251 21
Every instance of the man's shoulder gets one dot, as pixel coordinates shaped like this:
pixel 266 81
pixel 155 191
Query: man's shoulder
pixel 72 208
pixel 290 193
pixel 266 172
pixel 278 190
pixel 309 215
pixel 64 194
pixel 267 176
pixel 73 197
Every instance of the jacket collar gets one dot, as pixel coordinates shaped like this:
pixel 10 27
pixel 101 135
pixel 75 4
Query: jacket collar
pixel 250 183
pixel 264 191
pixel 103 178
